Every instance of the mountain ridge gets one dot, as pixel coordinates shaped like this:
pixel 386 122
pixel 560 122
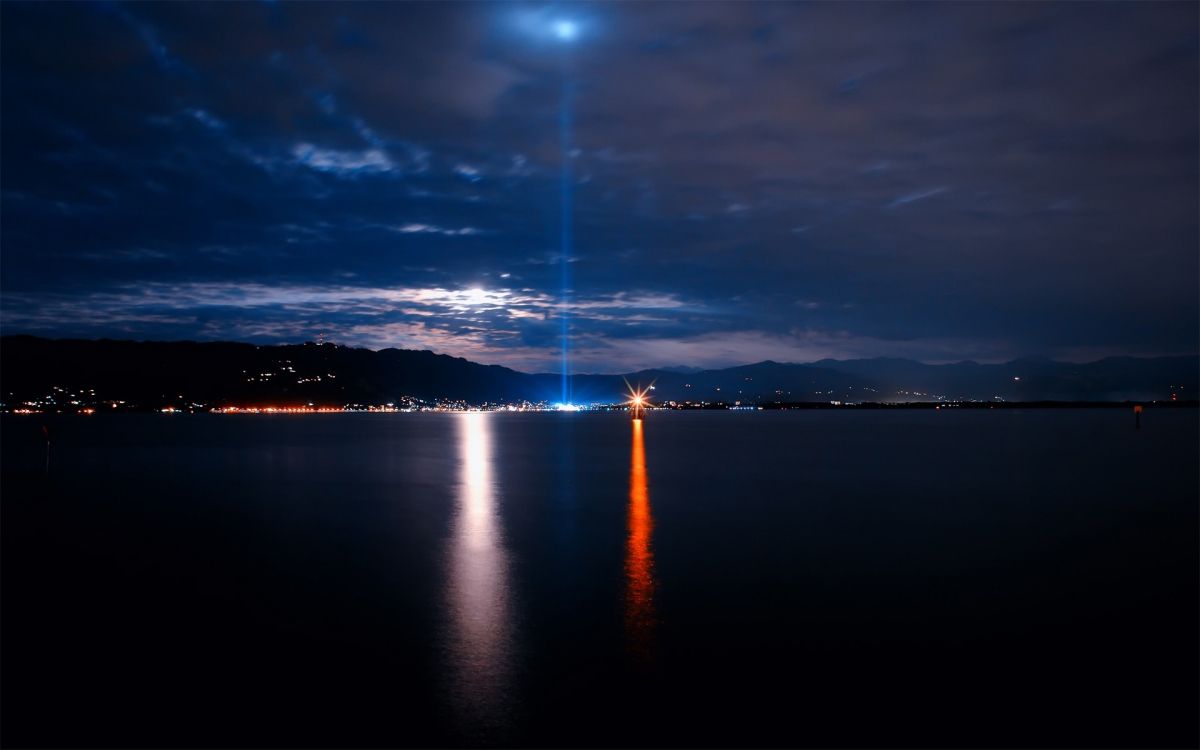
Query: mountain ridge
pixel 244 373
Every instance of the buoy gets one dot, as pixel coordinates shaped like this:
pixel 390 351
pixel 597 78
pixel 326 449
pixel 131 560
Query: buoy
pixel 1137 417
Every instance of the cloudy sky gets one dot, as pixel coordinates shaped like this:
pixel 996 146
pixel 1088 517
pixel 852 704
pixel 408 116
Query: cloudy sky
pixel 750 180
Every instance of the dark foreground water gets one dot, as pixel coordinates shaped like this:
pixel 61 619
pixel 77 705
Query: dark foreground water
pixel 804 578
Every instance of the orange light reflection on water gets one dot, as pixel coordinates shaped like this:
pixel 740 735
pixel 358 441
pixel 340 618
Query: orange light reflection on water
pixel 639 558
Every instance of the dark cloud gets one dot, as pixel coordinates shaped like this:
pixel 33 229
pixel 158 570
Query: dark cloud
pixel 752 180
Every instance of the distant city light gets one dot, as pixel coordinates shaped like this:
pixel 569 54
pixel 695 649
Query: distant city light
pixel 566 407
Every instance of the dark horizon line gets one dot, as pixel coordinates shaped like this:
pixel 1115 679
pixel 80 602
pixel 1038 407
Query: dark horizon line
pixel 662 368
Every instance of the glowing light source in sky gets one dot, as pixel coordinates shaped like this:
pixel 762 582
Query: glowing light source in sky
pixel 544 25
pixel 565 30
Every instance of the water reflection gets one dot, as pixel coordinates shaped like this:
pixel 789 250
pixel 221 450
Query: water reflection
pixel 639 559
pixel 480 637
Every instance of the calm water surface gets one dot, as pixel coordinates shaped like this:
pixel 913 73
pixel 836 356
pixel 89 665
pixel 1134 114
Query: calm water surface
pixel 772 578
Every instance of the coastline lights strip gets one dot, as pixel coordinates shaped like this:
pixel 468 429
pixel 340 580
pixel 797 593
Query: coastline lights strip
pixel 285 410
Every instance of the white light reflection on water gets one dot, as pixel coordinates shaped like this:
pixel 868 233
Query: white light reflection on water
pixel 479 606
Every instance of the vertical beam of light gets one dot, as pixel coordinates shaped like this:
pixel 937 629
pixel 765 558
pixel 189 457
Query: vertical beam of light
pixel 639 558
pixel 479 642
pixel 566 238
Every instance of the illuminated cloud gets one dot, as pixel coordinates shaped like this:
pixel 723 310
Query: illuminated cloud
pixel 485 323
pixel 342 163
pixel 207 119
pixel 429 229
pixel 917 196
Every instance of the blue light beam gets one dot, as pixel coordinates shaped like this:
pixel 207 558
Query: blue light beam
pixel 566 237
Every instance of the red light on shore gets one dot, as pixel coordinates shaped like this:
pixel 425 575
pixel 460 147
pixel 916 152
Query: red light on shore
pixel 638 401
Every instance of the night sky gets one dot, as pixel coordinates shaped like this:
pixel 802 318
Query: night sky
pixel 751 181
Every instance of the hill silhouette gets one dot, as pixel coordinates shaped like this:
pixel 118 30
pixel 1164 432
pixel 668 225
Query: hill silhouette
pixel 149 374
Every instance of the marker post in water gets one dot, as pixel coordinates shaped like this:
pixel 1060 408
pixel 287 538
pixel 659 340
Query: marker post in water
pixel 1137 417
pixel 46 432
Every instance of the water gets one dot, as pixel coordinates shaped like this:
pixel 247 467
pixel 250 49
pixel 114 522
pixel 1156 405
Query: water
pixel 771 578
